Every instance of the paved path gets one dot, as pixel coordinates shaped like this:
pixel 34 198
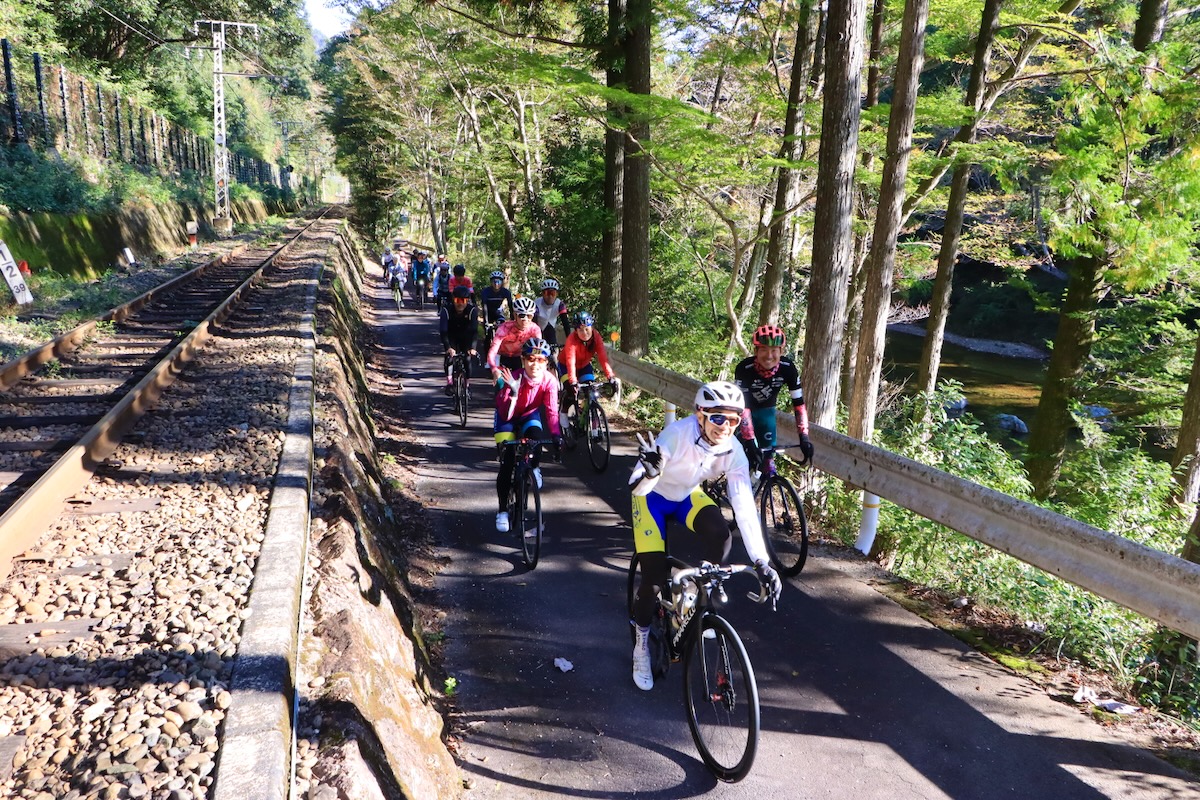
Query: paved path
pixel 860 699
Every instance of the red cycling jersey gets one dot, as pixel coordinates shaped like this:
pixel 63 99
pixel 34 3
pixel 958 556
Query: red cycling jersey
pixel 577 354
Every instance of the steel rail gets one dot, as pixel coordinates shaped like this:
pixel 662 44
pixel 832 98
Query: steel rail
pixel 25 520
pixel 1158 585
pixel 29 363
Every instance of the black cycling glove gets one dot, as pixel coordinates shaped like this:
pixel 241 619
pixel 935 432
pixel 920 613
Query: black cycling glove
pixel 769 579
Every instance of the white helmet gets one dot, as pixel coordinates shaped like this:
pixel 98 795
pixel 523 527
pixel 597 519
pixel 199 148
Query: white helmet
pixel 523 305
pixel 720 394
pixel 549 283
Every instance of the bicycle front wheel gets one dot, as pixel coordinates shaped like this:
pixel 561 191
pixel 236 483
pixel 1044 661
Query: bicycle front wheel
pixel 784 526
pixel 530 513
pixel 721 698
pixel 462 394
pixel 597 432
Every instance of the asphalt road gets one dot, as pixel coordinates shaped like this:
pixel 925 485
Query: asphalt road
pixel 859 698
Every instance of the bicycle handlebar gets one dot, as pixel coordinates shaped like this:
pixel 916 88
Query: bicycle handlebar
pixel 715 572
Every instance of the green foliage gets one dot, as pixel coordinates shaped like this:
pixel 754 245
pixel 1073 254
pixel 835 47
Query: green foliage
pixel 987 310
pixel 1120 489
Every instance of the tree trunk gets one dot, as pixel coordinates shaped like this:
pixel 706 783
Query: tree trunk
pixel 608 312
pixel 805 49
pixel 834 240
pixel 875 54
pixel 1186 462
pixel 1152 16
pixel 880 264
pixel 882 259
pixel 1072 345
pixel 943 283
pixel 818 69
pixel 785 182
pixel 635 234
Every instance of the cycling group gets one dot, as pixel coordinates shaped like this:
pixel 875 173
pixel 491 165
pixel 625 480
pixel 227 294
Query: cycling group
pixel 539 385
pixel 537 382
pixel 730 439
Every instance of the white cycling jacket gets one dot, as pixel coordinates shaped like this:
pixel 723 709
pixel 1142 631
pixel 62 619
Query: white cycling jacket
pixel 688 460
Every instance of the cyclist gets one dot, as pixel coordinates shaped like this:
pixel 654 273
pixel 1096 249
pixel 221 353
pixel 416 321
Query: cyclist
pixel 460 279
pixel 760 377
pixel 666 484
pixel 421 272
pixel 506 344
pixel 387 259
pixel 441 277
pixel 549 309
pixel 575 357
pixel 520 396
pixel 495 297
pixel 458 325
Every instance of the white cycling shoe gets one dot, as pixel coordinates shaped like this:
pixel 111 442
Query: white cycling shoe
pixel 537 476
pixel 643 677
pixel 502 522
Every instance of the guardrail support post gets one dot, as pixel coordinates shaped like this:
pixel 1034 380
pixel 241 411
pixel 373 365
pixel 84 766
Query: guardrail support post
pixel 870 522
pixel 668 413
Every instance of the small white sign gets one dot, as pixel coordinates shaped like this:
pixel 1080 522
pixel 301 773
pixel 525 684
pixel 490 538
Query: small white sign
pixel 16 281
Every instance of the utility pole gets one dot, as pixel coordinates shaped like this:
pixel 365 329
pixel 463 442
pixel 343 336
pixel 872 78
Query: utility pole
pixel 222 221
pixel 284 125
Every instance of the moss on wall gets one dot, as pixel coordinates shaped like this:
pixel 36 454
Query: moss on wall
pixel 85 245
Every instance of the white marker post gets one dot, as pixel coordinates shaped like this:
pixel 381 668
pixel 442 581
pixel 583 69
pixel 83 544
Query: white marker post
pixel 16 281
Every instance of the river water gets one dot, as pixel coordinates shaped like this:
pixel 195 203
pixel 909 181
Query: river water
pixel 992 384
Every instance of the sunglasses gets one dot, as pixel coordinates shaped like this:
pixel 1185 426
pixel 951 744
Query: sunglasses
pixel 524 316
pixel 533 359
pixel 723 419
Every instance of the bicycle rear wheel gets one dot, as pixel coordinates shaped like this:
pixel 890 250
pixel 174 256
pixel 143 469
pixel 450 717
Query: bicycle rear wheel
pixel 721 697
pixel 529 510
pixel 784 526
pixel 597 432
pixel 462 395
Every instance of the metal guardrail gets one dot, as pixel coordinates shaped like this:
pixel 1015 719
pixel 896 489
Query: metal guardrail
pixel 1155 584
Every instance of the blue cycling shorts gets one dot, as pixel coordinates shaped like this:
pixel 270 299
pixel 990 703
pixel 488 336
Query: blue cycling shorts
pixel 507 431
pixel 652 511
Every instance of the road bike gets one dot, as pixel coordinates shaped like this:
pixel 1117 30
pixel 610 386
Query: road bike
pixel 586 420
pixel 489 333
pixel 419 292
pixel 784 524
pixel 720 694
pixel 525 500
pixel 785 527
pixel 397 293
pixel 460 381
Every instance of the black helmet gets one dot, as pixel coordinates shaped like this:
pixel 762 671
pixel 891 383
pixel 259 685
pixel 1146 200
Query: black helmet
pixel 463 292
pixel 460 270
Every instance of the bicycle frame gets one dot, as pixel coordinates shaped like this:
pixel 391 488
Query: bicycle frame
pixel 707 580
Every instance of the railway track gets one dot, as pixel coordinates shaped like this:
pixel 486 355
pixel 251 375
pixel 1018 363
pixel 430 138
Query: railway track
pixel 65 405
pixel 131 647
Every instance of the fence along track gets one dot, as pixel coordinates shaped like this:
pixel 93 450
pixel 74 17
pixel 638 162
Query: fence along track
pixel 129 390
pixel 1153 583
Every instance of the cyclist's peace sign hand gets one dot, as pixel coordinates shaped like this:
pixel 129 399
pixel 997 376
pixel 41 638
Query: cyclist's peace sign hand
pixel 649 455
